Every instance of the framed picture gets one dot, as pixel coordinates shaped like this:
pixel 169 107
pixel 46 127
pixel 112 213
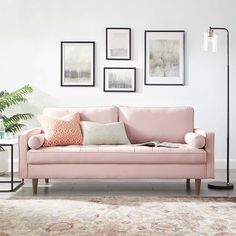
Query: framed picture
pixel 77 63
pixel 119 79
pixel 164 58
pixel 118 43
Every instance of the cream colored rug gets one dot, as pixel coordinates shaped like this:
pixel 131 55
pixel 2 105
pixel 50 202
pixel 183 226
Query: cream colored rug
pixel 113 216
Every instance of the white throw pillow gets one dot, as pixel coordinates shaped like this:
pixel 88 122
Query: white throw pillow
pixel 106 134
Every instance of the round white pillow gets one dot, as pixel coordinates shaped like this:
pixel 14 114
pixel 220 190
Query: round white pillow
pixel 36 141
pixel 195 140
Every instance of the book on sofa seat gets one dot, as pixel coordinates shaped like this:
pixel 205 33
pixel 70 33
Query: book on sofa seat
pixel 159 144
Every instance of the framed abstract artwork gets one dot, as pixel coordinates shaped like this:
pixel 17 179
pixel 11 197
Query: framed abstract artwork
pixel 164 57
pixel 119 79
pixel 118 43
pixel 77 63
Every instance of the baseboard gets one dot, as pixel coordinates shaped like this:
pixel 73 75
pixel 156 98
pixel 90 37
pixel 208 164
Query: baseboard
pixel 221 164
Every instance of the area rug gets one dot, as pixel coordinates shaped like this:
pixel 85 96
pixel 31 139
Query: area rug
pixel 118 216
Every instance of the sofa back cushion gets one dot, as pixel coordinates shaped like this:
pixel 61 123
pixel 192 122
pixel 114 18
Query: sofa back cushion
pixel 96 114
pixel 162 124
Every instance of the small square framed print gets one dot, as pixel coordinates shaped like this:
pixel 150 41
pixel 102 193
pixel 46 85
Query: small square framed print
pixel 164 57
pixel 77 63
pixel 118 43
pixel 119 79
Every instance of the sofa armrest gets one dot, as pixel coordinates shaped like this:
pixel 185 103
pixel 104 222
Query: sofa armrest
pixel 210 150
pixel 23 148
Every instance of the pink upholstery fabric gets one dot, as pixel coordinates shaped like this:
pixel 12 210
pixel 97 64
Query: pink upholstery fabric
pixel 195 140
pixel 23 148
pixel 117 171
pixel 210 150
pixel 95 114
pixel 36 141
pixel 162 124
pixel 137 121
pixel 116 154
pixel 61 131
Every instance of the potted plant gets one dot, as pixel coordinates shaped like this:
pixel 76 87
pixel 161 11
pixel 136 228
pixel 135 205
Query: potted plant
pixel 13 123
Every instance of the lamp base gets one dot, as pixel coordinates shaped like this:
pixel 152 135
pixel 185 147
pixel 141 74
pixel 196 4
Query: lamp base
pixel 220 185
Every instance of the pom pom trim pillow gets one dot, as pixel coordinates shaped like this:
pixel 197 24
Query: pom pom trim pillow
pixel 61 131
pixel 36 141
pixel 195 140
pixel 104 134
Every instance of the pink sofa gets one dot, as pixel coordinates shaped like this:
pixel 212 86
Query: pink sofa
pixel 123 161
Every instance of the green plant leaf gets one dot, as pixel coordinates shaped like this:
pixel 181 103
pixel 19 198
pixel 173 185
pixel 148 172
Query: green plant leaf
pixel 14 128
pixel 16 118
pixel 7 99
pixel 13 98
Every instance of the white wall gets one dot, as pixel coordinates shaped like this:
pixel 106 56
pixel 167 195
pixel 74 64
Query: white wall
pixel 31 31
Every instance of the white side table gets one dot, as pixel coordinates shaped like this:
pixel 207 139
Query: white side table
pixel 10 143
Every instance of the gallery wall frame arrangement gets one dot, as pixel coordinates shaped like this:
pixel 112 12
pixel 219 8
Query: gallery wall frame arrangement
pixel 77 63
pixel 118 43
pixel 119 79
pixel 164 57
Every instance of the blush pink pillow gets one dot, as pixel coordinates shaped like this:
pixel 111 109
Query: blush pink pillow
pixel 36 141
pixel 195 140
pixel 63 131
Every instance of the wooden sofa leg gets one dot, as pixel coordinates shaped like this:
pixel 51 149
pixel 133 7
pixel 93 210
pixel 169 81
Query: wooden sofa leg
pixel 46 181
pixel 35 185
pixel 197 186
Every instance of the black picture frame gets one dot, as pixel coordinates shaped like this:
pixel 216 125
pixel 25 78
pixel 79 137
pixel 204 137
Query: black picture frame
pixel 108 56
pixel 176 82
pixel 75 73
pixel 105 79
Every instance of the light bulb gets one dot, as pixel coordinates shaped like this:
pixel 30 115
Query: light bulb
pixel 210 41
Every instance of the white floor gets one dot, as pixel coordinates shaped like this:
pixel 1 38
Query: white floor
pixel 62 188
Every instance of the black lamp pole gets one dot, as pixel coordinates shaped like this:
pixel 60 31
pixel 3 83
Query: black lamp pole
pixel 221 184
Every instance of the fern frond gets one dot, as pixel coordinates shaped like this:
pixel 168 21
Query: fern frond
pixel 14 128
pixel 16 118
pixel 13 98
pixel 7 99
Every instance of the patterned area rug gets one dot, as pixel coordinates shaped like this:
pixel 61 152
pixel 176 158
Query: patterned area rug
pixel 118 216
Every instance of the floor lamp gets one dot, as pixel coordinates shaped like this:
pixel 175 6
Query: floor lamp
pixel 210 42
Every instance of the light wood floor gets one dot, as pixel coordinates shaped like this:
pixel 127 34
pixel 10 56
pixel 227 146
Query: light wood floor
pixel 63 188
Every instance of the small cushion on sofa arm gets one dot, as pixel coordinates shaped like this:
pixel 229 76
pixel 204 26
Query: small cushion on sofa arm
pixel 104 134
pixel 195 140
pixel 36 141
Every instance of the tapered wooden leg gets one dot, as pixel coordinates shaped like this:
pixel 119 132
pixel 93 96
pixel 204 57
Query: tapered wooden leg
pixel 197 186
pixel 46 181
pixel 188 185
pixel 35 185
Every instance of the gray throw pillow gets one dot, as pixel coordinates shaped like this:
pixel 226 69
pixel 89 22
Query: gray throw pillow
pixel 106 134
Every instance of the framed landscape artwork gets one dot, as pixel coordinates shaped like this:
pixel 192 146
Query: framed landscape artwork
pixel 118 43
pixel 164 57
pixel 77 63
pixel 118 79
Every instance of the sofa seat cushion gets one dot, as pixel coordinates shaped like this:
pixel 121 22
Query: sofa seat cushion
pixel 116 154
